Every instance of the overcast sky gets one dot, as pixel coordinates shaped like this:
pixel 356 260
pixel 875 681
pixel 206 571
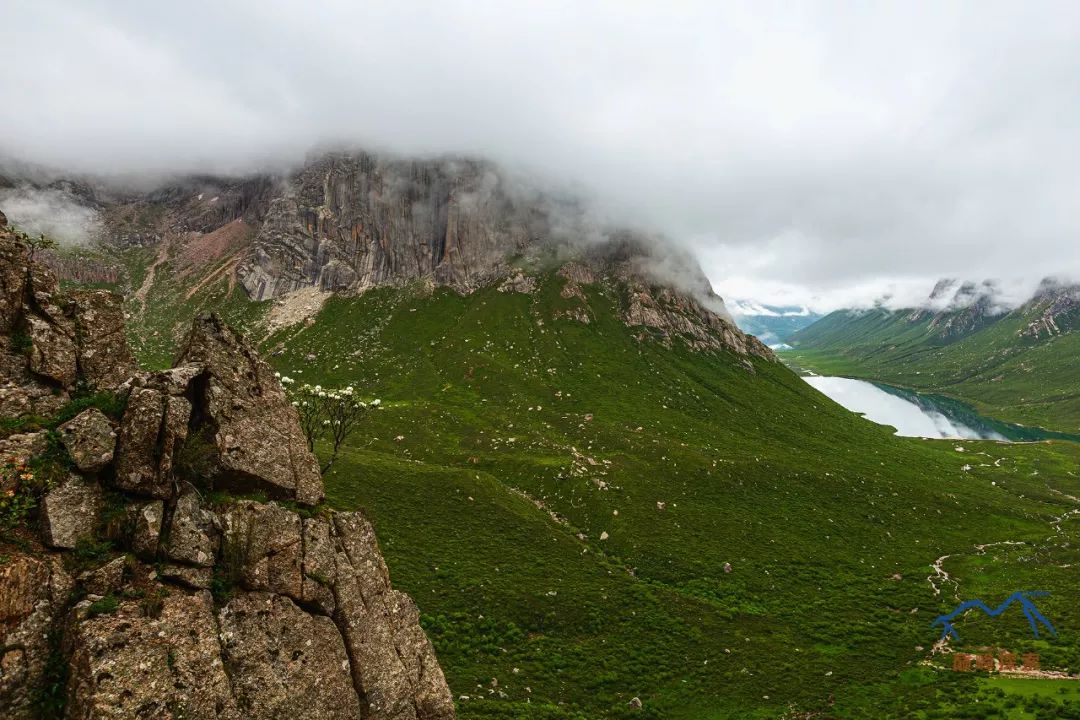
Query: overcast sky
pixel 810 152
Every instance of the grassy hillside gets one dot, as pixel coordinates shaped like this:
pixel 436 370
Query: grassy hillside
pixel 1033 381
pixel 561 500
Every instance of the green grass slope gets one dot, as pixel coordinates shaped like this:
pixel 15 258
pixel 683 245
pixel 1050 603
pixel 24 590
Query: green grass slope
pixel 1004 374
pixel 561 499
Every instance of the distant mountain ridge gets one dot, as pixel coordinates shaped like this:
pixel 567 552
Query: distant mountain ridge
pixel 1020 363
pixel 772 324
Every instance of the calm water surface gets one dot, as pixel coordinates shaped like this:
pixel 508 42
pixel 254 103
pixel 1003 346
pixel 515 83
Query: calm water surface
pixel 921 415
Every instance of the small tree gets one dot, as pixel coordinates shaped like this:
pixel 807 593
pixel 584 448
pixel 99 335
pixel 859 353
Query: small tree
pixel 327 412
pixel 39 243
pixel 36 243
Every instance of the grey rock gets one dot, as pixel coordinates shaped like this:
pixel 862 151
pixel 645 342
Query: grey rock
pixel 264 539
pixel 89 439
pixel 285 663
pixel 147 533
pixel 104 358
pixel 197 578
pixel 392 659
pixel 319 565
pixel 19 448
pixel 127 664
pixel 192 535
pixel 32 596
pixel 14 260
pixel 105 579
pixel 356 220
pixel 52 351
pixel 519 282
pixel 137 452
pixel 430 694
pixel 70 512
pixel 256 430
pixel 152 430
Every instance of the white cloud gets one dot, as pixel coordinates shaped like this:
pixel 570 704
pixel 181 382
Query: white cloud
pixel 814 149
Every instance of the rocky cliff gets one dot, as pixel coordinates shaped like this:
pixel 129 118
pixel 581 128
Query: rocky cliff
pixel 349 221
pixel 1054 310
pixel 356 221
pixel 136 581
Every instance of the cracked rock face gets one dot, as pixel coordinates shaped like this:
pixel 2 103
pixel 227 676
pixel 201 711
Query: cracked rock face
pixel 152 429
pixel 304 622
pixel 255 429
pixel 104 357
pixel 192 535
pixel 69 512
pixel 356 220
pixel 346 646
pixel 89 439
pixel 32 596
pixel 129 664
pixel 284 662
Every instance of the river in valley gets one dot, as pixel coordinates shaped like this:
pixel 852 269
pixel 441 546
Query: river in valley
pixel 916 414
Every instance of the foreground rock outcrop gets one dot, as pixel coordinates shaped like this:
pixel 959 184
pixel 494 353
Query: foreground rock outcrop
pixel 173 606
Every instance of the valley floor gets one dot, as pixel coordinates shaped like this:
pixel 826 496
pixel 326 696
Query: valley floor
pixel 564 501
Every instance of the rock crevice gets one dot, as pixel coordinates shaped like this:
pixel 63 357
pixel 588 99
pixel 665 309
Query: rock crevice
pixel 189 608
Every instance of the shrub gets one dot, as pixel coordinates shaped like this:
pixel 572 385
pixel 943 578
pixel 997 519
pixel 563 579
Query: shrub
pixel 105 606
pixel 27 482
pixel 90 553
pixel 20 343
pixel 327 412
pixel 196 459
pixel 109 403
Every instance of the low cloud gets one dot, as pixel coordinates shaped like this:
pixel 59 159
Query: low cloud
pixel 838 151
pixel 52 212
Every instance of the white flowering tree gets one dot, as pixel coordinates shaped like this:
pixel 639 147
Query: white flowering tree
pixel 326 412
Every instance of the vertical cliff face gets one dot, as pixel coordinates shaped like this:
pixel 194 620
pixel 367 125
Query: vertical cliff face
pixel 352 221
pixel 356 221
pixel 129 592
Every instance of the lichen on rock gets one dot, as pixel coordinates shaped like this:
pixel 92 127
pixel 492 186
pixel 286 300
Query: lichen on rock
pixel 186 607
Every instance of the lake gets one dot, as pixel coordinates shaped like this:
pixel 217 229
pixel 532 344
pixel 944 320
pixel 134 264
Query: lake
pixel 916 414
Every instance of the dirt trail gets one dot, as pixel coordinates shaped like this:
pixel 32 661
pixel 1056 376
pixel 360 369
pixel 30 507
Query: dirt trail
pixel 148 281
pixel 940 576
pixel 943 576
pixel 228 267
